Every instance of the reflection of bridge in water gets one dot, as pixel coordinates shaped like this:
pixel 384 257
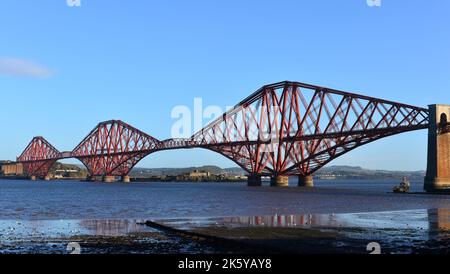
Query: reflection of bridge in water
pixel 112 228
pixel 284 129
pixel 439 219
pixel 432 222
pixel 435 219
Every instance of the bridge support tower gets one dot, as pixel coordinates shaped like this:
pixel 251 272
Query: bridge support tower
pixel 279 181
pixel 109 179
pixel 305 181
pixel 438 170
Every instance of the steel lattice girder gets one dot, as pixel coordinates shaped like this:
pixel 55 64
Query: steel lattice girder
pixel 38 157
pixel 38 168
pixel 287 128
pixel 113 148
pixel 294 128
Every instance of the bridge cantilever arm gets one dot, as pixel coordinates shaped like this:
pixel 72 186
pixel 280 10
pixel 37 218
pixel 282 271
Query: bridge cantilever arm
pixel 258 94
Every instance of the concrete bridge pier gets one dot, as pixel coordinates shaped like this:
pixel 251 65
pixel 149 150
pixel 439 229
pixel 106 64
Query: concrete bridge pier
pixel 33 178
pixel 438 169
pixel 305 181
pixel 109 179
pixel 47 178
pixel 254 180
pixel 279 181
pixel 126 179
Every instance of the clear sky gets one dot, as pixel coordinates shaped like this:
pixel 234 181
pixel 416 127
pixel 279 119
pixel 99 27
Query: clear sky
pixel 63 69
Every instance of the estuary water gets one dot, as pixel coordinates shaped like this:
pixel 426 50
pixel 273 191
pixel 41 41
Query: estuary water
pixel 75 200
pixel 47 217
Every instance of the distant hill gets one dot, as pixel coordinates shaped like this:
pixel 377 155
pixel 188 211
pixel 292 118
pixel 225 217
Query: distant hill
pixel 146 172
pixel 329 172
pixel 356 172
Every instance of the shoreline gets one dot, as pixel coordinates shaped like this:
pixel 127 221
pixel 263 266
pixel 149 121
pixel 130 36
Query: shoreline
pixel 398 232
pixel 206 180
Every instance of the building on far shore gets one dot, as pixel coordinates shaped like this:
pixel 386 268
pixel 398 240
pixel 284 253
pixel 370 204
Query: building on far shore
pixel 66 173
pixel 195 175
pixel 9 168
pixel 199 174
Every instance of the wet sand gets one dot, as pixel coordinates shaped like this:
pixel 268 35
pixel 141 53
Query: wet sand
pixel 93 236
pixel 397 232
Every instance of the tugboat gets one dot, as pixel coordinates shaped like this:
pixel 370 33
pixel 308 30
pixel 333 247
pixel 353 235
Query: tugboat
pixel 404 186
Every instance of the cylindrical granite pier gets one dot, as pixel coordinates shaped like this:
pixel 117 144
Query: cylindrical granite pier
pixel 126 179
pixel 109 179
pixel 305 181
pixel 279 181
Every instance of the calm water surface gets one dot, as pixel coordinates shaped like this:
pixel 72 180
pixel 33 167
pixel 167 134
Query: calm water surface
pixel 73 200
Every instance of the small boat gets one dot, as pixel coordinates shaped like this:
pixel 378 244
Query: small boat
pixel 404 186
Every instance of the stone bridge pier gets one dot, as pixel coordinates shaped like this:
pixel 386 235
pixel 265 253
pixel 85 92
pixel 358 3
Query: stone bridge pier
pixel 438 170
pixel 280 181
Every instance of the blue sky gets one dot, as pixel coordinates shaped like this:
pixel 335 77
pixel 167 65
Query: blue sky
pixel 136 60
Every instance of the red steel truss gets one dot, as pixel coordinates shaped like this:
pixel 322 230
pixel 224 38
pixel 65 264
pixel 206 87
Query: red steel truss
pixel 38 157
pixel 113 148
pixel 287 128
pixel 295 129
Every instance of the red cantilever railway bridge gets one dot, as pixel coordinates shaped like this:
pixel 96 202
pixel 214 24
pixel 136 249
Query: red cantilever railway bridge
pixel 283 129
